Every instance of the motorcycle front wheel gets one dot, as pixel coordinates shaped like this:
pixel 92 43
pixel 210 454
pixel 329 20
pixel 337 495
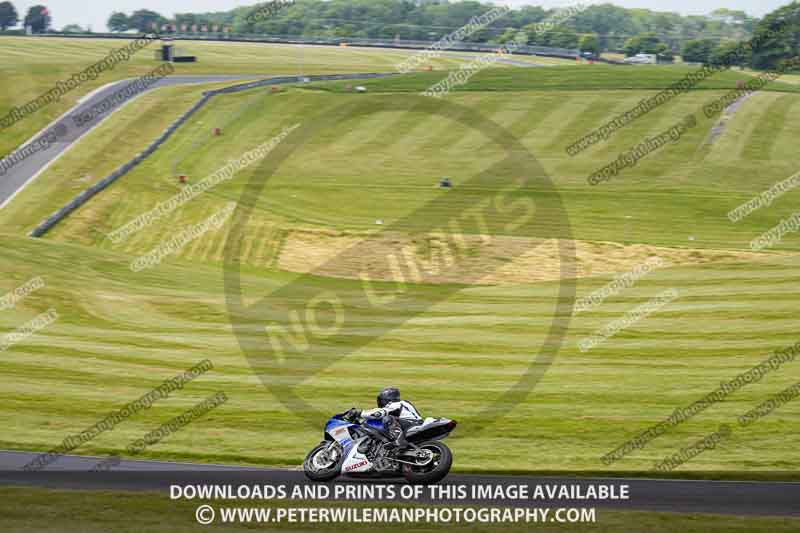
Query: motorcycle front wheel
pixel 324 462
pixel 432 467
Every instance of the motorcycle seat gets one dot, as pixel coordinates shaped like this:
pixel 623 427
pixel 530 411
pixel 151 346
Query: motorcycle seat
pixel 427 424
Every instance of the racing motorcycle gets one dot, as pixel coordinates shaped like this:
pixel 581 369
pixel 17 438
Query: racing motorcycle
pixel 367 449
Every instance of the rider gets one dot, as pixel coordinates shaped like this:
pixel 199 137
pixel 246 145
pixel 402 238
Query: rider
pixel 398 415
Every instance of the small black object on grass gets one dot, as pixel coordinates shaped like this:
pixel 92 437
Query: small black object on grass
pixel 446 183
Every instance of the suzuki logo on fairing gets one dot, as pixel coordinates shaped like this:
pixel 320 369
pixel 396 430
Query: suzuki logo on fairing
pixel 357 465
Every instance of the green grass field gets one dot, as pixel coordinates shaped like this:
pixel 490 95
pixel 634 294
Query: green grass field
pixel 462 343
pixel 693 184
pixel 30 66
pixel 121 334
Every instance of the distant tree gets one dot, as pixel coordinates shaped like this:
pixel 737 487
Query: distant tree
pixel 344 30
pixel 589 43
pixel 38 18
pixel 607 21
pixel 433 19
pixel 632 46
pixel 72 28
pixel 697 50
pixel 557 36
pixel 777 37
pixel 186 19
pixel 666 53
pixel 526 15
pixel 729 53
pixel 118 22
pixel 8 15
pixel 641 44
pixel 733 17
pixel 647 43
pixel 144 19
pixel 513 35
pixel 563 37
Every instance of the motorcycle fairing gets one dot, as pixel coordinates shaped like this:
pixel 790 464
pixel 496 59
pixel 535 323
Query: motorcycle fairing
pixel 355 461
pixel 339 430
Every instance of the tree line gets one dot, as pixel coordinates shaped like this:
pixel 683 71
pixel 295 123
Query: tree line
pixel 596 29
pixel 777 36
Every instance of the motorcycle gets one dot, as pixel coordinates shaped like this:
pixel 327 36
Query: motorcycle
pixel 366 449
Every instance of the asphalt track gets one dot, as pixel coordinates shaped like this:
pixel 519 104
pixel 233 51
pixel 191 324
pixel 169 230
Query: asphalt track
pixel 682 496
pixel 68 132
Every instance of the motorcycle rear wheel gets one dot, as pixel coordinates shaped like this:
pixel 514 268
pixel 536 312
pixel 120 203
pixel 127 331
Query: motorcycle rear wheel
pixel 320 466
pixel 435 470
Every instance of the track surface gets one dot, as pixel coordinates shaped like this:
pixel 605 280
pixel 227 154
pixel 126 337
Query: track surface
pixel 67 132
pixel 708 497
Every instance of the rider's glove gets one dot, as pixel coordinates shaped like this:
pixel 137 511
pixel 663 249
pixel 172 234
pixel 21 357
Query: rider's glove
pixel 353 414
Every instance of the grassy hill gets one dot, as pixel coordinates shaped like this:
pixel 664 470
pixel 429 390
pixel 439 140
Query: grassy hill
pixel 120 334
pixel 677 197
pixel 30 66
pixel 583 77
pixel 469 333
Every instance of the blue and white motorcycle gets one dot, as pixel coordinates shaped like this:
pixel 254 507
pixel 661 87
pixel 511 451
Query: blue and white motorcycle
pixel 367 449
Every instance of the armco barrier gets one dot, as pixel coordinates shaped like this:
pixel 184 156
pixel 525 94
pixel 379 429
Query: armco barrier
pixel 87 194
